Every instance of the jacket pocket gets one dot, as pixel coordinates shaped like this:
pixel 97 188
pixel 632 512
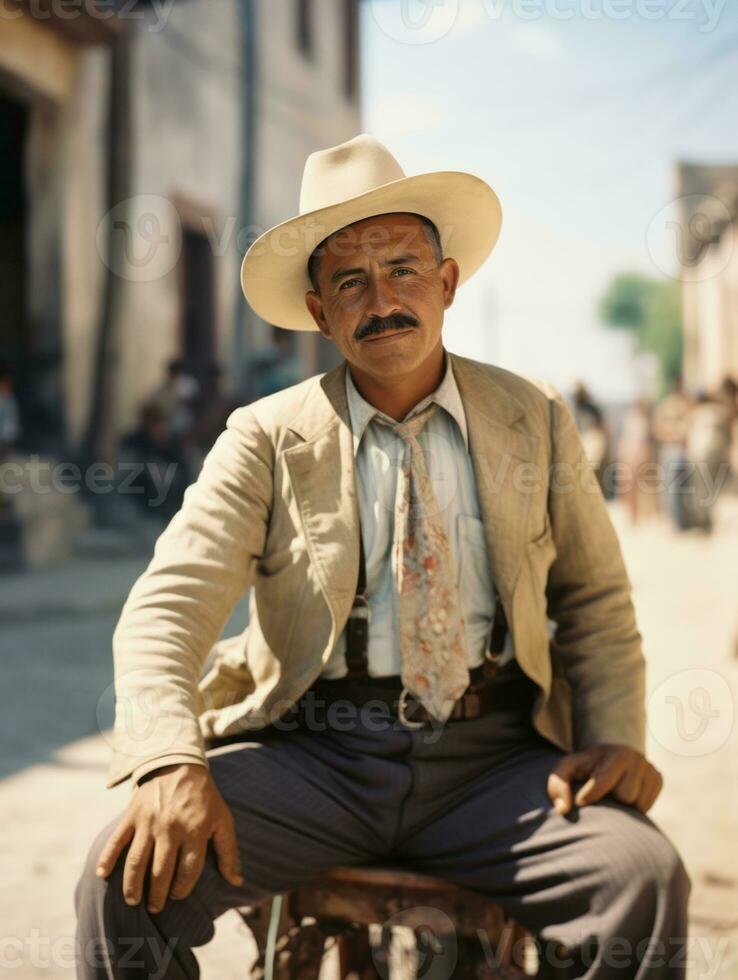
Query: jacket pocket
pixel 541 554
pixel 541 538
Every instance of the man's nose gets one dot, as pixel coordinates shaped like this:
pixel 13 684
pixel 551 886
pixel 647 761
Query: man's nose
pixel 381 300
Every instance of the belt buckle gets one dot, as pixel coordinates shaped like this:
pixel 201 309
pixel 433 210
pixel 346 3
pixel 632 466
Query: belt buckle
pixel 401 708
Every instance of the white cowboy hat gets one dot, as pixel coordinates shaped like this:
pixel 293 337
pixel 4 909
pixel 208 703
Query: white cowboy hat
pixel 349 182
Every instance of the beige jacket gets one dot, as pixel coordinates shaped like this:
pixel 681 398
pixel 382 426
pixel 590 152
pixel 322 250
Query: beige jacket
pixel 275 507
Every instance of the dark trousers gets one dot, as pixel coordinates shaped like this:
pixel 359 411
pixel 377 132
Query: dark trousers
pixel 466 801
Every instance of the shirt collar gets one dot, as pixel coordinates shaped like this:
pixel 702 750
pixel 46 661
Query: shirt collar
pixel 447 396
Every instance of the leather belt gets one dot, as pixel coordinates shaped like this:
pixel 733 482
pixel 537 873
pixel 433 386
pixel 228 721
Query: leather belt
pixel 480 697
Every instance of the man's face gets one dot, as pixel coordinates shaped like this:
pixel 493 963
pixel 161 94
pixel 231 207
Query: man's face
pixel 382 294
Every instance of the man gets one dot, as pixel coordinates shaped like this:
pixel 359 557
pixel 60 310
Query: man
pixel 670 427
pixel 594 430
pixel 706 449
pixel 469 743
pixel 10 428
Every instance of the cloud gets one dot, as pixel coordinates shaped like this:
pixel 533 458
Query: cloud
pixel 537 40
pixel 420 22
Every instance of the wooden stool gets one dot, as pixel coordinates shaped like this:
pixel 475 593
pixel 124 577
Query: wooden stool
pixel 453 932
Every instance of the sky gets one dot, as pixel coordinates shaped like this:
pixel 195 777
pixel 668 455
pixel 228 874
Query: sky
pixel 577 124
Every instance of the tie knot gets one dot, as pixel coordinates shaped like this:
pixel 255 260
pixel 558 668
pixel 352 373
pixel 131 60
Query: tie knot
pixel 409 428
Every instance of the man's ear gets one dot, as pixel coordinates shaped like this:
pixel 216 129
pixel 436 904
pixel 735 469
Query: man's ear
pixel 450 278
pixel 315 305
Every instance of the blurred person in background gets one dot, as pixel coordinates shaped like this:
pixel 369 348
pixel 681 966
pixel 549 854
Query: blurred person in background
pixel 176 396
pixel 209 419
pixel 10 427
pixel 670 421
pixel 276 366
pixel 594 432
pixel 729 396
pixel 706 450
pixel 637 454
pixel 152 466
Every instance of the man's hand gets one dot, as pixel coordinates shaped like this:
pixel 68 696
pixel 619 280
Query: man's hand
pixel 614 769
pixel 170 818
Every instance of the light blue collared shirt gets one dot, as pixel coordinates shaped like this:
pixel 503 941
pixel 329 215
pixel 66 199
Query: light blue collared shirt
pixel 379 455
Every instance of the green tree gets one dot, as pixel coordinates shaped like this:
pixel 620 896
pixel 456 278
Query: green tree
pixel 652 310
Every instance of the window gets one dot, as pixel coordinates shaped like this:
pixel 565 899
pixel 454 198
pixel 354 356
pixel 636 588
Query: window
pixel 351 48
pixel 304 26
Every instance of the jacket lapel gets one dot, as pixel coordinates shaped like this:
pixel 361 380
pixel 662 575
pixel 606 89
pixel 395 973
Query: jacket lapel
pixel 502 453
pixel 323 478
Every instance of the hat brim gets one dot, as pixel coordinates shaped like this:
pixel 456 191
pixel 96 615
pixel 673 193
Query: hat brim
pixel 463 207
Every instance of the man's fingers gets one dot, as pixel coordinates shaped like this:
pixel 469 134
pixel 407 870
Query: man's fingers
pixel 559 791
pixel 162 872
pixel 137 861
pixel 122 834
pixel 651 788
pixel 189 869
pixel 627 775
pixel 605 775
pixel 630 784
pixel 587 793
pixel 226 850
pixel 575 765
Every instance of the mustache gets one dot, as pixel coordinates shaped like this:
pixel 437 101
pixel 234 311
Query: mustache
pixel 396 321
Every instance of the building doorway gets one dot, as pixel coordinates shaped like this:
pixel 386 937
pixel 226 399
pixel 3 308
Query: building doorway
pixel 14 340
pixel 30 267
pixel 197 344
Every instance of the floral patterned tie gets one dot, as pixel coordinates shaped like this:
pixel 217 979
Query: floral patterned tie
pixel 433 656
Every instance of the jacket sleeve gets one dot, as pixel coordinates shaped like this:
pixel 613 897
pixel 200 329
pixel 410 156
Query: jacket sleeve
pixel 202 564
pixel 596 641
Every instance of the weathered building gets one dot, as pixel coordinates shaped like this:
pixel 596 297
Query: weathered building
pixel 143 145
pixel 224 103
pixel 708 251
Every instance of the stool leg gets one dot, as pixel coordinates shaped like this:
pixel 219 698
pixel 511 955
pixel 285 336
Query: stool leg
pixel 512 945
pixel 522 940
pixel 299 947
pixel 356 956
pixel 434 954
pixel 548 954
pixel 304 952
pixel 471 962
